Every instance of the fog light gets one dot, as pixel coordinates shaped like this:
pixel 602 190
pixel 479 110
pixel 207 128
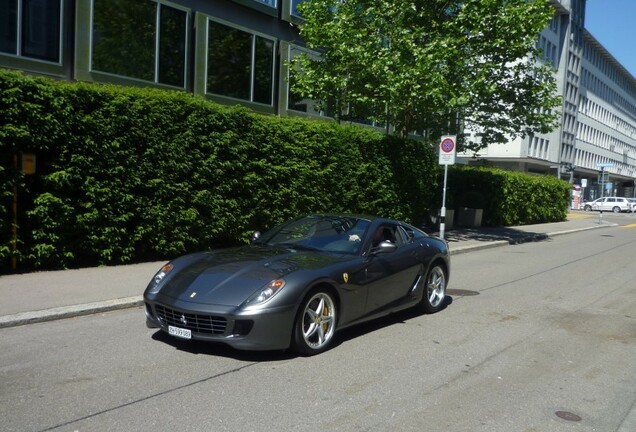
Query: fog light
pixel 242 327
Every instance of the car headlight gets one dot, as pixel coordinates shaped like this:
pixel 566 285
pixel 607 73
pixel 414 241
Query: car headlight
pixel 265 294
pixel 155 283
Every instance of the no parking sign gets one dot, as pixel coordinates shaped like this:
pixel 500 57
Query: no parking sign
pixel 447 150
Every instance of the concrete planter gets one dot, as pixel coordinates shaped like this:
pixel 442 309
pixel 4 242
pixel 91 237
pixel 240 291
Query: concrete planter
pixel 450 219
pixel 469 217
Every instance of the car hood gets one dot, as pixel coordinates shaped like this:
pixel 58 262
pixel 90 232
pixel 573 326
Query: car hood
pixel 230 276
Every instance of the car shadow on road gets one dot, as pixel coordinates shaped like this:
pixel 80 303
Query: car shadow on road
pixel 222 350
pixel 513 236
pixel 401 317
pixel 341 337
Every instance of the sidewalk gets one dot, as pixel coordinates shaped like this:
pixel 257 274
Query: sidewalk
pixel 46 296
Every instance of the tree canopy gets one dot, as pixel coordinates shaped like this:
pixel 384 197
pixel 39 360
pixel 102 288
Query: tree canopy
pixel 439 66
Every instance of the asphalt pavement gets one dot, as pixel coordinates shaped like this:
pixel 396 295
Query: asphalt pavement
pixel 46 296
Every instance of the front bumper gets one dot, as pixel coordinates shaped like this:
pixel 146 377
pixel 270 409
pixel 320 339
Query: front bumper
pixel 264 329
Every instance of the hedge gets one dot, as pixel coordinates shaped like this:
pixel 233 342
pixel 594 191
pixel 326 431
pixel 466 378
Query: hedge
pixel 509 198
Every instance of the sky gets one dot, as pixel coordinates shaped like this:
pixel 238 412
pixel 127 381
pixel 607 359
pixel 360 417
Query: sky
pixel 613 24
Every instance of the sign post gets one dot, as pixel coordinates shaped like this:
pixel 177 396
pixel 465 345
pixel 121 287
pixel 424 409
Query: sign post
pixel 447 150
pixel 604 175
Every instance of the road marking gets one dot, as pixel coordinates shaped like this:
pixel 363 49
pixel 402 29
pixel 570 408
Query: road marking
pixel 579 216
pixel 629 226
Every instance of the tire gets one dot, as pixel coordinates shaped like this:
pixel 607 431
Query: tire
pixel 433 289
pixel 587 208
pixel 616 209
pixel 315 323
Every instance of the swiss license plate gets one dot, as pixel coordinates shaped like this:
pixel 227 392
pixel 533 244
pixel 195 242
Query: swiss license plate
pixel 179 332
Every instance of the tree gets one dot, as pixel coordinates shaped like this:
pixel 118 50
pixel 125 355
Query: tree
pixel 431 65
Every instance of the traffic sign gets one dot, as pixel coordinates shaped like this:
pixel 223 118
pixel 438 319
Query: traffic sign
pixel 447 150
pixel 605 165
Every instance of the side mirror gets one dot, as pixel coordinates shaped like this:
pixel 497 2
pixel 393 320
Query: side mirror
pixel 256 236
pixel 384 247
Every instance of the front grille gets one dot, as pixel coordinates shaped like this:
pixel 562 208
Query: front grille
pixel 198 323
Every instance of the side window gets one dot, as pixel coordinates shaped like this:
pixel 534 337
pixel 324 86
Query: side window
pixel 388 232
pixel 406 237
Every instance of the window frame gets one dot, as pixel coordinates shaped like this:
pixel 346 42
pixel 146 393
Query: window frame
pixel 84 48
pixel 285 74
pixel 287 13
pixel 201 67
pixel 18 61
pixel 261 6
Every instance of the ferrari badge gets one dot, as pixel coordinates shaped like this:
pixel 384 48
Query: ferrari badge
pixel 345 277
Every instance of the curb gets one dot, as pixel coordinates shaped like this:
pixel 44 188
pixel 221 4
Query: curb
pixel 58 313
pixel 63 312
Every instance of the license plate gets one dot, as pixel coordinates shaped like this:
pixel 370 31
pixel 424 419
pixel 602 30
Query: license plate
pixel 179 332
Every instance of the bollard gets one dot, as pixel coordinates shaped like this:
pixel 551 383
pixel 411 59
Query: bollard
pixel 600 217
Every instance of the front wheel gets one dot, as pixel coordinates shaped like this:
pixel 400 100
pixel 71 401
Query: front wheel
pixel 434 290
pixel 587 208
pixel 616 209
pixel 315 323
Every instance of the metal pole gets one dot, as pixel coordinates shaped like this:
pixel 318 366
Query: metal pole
pixel 14 228
pixel 442 218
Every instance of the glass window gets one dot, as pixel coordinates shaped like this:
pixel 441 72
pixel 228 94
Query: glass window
pixel 140 39
pixel 124 35
pixel 240 64
pixel 271 3
pixel 294 8
pixel 229 60
pixel 9 26
pixel 172 50
pixel 38 22
pixel 41 29
pixel 263 76
pixel 295 101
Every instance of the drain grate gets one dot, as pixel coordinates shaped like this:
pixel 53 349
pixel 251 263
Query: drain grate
pixel 566 415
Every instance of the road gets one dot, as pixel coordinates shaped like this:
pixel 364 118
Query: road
pixel 538 337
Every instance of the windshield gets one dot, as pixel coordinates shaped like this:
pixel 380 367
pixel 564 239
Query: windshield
pixel 342 234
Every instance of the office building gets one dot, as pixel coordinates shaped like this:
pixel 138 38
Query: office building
pixel 595 144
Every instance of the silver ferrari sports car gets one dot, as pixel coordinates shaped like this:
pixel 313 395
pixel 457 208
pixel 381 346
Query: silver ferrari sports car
pixel 300 282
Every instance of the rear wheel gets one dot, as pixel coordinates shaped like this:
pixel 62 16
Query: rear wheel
pixel 434 286
pixel 616 209
pixel 315 323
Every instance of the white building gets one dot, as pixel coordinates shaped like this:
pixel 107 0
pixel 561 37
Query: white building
pixel 598 116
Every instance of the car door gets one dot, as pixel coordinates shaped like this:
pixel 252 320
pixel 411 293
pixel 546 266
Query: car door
pixel 390 276
pixel 599 204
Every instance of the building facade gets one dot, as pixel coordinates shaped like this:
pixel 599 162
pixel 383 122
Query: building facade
pixel 231 51
pixel 595 145
pixel 237 52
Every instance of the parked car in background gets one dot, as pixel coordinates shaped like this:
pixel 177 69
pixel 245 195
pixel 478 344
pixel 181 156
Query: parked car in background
pixel 614 204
